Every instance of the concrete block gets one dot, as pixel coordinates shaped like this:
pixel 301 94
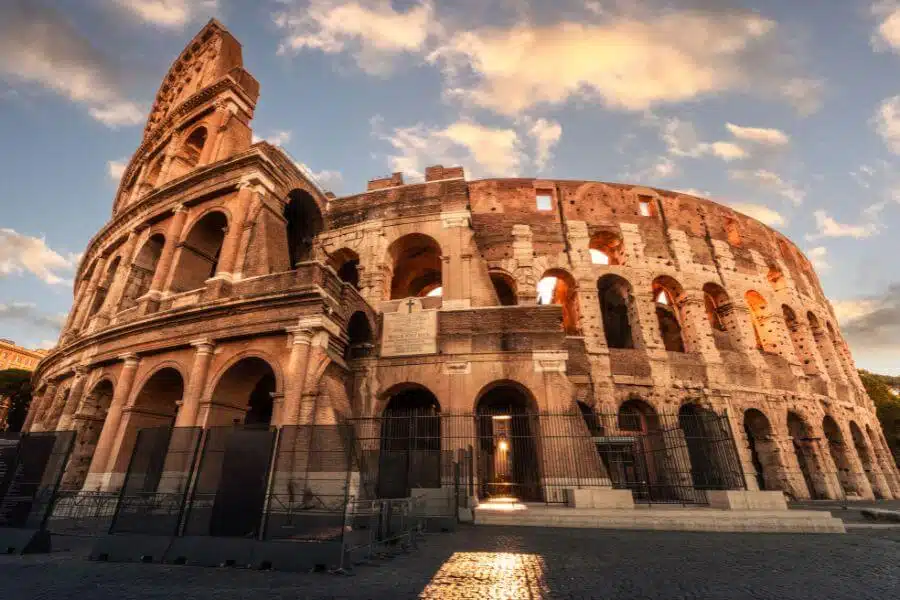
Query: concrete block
pixel 746 500
pixel 599 498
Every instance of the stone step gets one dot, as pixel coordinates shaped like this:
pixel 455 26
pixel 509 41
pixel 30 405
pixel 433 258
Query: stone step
pixel 699 519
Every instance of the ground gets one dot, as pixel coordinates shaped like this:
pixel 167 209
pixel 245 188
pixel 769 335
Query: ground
pixel 501 562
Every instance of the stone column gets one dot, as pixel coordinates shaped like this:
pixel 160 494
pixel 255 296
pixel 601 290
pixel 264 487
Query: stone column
pixel 35 416
pixel 117 288
pixel 214 130
pixel 75 394
pixel 295 375
pixel 162 277
pixel 98 474
pixel 196 387
pixel 89 293
pixel 231 243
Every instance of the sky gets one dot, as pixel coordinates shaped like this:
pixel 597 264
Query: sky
pixel 787 111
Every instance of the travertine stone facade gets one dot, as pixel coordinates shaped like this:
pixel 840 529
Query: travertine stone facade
pixel 229 287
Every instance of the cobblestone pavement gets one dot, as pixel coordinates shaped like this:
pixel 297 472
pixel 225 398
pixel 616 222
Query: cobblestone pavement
pixel 507 562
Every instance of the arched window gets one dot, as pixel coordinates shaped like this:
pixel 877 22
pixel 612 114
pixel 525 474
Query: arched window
pixel 199 256
pixel 776 277
pixel 823 343
pixel 841 361
pixel 359 331
pixel 346 262
pixel 143 269
pixel 193 146
pixel 801 351
pixel 304 223
pixel 616 310
pixel 505 286
pixel 720 316
pixel 666 294
pixel 606 249
pixel 416 261
pixel 103 287
pixel 758 314
pixel 558 287
pixel 151 179
pixel 732 232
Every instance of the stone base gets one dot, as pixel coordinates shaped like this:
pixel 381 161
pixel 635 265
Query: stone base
pixel 599 498
pixel 746 500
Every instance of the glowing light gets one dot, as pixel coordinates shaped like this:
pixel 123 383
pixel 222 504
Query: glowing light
pixel 503 445
pixel 598 257
pixel 501 417
pixel 545 288
pixel 438 291
pixel 489 575
pixel 662 298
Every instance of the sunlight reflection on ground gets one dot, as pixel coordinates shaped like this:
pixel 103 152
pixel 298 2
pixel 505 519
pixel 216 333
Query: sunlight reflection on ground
pixel 489 575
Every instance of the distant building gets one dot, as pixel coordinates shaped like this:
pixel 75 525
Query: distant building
pixel 17 357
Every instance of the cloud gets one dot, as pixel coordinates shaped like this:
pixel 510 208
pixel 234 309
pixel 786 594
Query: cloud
pixel 116 168
pixel 828 227
pixel 887 123
pixel 627 62
pixel 769 180
pixel 728 151
pixel 20 253
pixel 169 13
pixel 38 46
pixel 759 135
pixel 818 257
pixel 546 134
pixel 887 33
pixel 872 323
pixel 761 213
pixel 27 313
pixel 330 180
pixel 279 138
pixel 370 29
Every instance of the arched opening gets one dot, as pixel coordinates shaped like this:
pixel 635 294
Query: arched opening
pixel 505 286
pixel 720 315
pixel 865 457
pixel 630 455
pixel 56 409
pixel 346 263
pixel 558 287
pixel 243 394
pixel 151 179
pixel 839 355
pixel 193 146
pixel 667 294
pixel 606 249
pixel 796 334
pixel 823 344
pixel 882 454
pixel 763 449
pixel 304 223
pixel 838 452
pixel 776 277
pixel 199 255
pixel 104 286
pixel 758 313
pixel 143 269
pixel 90 416
pixel 155 405
pixel 507 449
pixel 732 232
pixel 416 260
pixel 710 469
pixel 616 310
pixel 361 341
pixel 410 453
pixel 805 452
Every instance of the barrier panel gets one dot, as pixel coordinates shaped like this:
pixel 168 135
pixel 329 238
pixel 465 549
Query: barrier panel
pixel 31 466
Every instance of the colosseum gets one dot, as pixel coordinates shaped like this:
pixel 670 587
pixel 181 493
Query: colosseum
pixel 230 290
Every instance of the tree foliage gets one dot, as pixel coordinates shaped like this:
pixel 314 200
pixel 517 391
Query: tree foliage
pixel 887 405
pixel 15 384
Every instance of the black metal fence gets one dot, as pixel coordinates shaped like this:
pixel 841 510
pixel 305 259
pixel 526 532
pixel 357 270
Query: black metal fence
pixel 31 467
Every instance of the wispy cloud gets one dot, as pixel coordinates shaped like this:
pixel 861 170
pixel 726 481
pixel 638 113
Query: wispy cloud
pixel 769 180
pixel 21 253
pixel 871 324
pixel 761 213
pixel 829 227
pixel 38 46
pixel 27 313
pixel 818 256
pixel 887 32
pixel 169 13
pixel 278 138
pixel 887 123
pixel 115 169
pixel 759 135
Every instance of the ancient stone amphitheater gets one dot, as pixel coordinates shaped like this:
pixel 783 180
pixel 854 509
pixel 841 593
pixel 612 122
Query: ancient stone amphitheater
pixel 229 288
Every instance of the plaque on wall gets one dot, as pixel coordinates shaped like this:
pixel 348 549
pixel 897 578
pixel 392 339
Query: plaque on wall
pixel 409 331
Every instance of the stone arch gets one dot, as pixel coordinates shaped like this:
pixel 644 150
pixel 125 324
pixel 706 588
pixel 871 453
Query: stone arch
pixel 143 269
pixel 154 171
pixel 192 148
pixel 410 441
pixel 838 450
pixel 345 262
pixel 361 340
pixel 804 445
pixel 243 392
pixel 55 410
pixel 802 349
pixel 823 345
pixel 759 313
pixel 763 450
pixel 697 425
pixel 668 296
pixel 557 286
pixel 638 464
pixel 508 439
pixel 606 248
pixel 617 310
pixel 840 358
pixel 776 277
pixel 199 254
pixel 505 286
pixel 416 266
pixel 721 317
pixel 884 459
pixel 733 232
pixel 304 223
pixel 89 420
pixel 870 467
pixel 104 286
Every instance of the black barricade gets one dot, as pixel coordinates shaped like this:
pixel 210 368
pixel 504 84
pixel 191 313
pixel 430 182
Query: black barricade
pixel 33 466
pixel 153 495
pixel 315 473
pixel 231 482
